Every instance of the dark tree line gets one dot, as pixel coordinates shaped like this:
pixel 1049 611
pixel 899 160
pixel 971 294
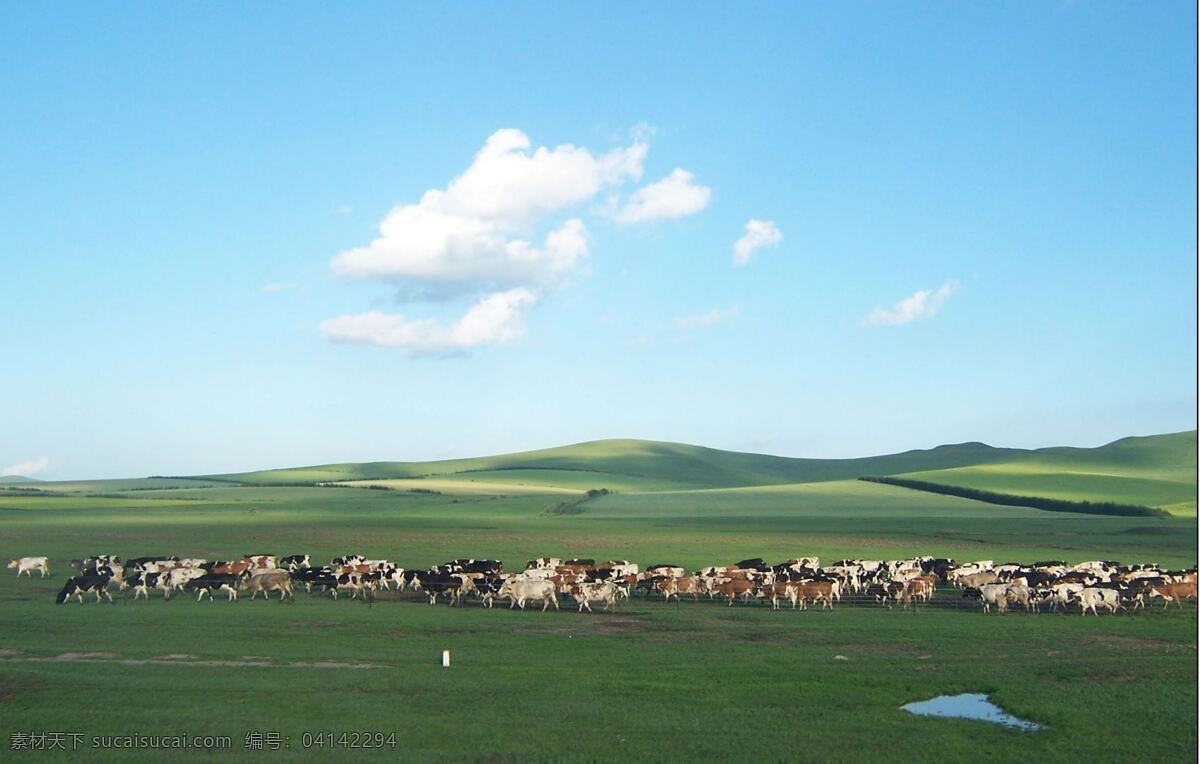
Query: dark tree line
pixel 1037 502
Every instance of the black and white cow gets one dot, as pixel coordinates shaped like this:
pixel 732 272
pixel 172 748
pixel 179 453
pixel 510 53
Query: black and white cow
pixel 77 586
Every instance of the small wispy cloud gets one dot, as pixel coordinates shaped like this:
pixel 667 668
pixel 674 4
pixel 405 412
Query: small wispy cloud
pixel 704 320
pixel 756 235
pixel 277 286
pixel 498 318
pixel 26 469
pixel 342 209
pixel 675 196
pixel 924 303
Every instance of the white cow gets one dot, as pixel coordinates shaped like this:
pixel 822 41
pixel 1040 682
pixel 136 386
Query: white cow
pixel 605 592
pixel 520 591
pixel 27 565
pixel 1092 597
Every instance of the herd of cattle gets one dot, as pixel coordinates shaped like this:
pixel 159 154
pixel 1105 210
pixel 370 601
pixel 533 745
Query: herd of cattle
pixel 1088 586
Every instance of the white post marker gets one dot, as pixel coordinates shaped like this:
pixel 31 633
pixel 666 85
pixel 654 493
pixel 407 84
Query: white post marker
pixel 445 659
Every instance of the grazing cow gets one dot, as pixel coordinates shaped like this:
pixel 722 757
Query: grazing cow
pixel 219 581
pixel 270 581
pixel 260 560
pixel 543 562
pixel 76 586
pixel 350 559
pixel 518 592
pixel 586 593
pixel 1093 597
pixel 27 565
pixel 1175 592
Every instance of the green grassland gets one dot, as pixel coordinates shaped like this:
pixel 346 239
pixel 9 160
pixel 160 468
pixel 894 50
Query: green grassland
pixel 1158 471
pixel 698 682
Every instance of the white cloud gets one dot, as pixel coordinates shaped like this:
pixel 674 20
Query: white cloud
pixel 472 235
pixel 26 469
pixel 342 209
pixel 496 318
pixel 277 286
pixel 501 234
pixel 758 234
pixel 675 196
pixel 924 303
pixel 705 320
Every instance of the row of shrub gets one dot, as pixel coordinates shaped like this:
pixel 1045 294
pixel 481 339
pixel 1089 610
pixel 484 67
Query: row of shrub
pixel 1036 502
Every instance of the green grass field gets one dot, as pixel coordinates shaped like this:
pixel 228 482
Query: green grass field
pixel 695 682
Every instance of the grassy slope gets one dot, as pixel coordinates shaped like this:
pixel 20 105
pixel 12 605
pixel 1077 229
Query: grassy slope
pixel 1158 471
pixel 655 464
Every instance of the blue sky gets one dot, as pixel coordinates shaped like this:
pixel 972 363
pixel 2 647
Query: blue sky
pixel 975 222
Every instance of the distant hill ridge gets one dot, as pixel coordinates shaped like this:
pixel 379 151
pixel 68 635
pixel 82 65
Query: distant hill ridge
pixel 1165 463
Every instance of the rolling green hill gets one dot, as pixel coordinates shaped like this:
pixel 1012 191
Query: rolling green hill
pixel 1157 471
pixel 639 465
pixel 16 479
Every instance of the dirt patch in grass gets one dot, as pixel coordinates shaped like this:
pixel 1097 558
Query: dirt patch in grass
pixel 181 659
pixel 1113 640
pixel 876 648
pixel 1107 677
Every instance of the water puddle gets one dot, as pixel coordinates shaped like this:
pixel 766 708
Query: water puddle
pixel 969 706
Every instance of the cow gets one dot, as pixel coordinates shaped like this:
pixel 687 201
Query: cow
pixel 586 593
pixel 777 591
pixel 175 578
pixel 1093 597
pixel 143 583
pixel 453 585
pixel 1175 592
pixel 673 587
pixel 989 595
pixel 27 565
pixel 220 581
pixel 260 560
pixel 1019 594
pixel 815 591
pixel 674 571
pixel 735 588
pixel 294 562
pixel 543 562
pixel 519 592
pixel 884 593
pixel 76 586
pixel 488 588
pixel 270 581
pixel 1061 594
pixel 976 580
pixel 919 588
